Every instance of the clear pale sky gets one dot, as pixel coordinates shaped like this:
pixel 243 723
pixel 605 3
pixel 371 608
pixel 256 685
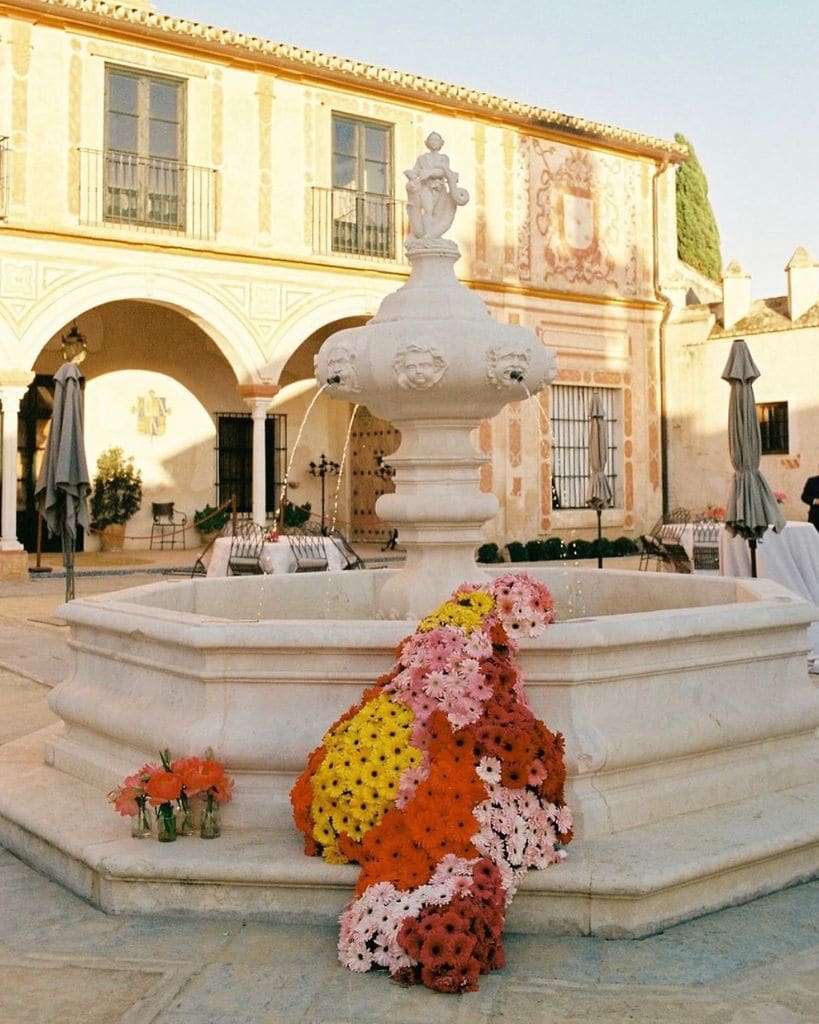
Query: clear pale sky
pixel 738 78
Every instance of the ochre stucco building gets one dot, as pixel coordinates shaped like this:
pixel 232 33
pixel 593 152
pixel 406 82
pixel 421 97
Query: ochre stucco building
pixel 208 208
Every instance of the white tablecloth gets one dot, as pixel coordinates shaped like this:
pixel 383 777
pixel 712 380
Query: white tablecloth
pixel 276 556
pixel 790 558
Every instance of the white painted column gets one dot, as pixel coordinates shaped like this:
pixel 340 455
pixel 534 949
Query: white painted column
pixel 258 397
pixel 10 397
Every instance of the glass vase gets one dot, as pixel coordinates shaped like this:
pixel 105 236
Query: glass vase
pixel 185 820
pixel 165 823
pixel 140 822
pixel 209 827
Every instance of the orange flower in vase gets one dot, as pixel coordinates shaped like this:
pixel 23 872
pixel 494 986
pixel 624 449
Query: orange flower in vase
pixel 209 777
pixel 130 800
pixel 163 788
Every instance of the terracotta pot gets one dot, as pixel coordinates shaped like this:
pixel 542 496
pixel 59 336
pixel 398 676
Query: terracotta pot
pixel 112 537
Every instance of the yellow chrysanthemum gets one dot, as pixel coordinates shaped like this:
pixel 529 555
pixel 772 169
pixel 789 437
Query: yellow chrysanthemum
pixel 466 611
pixel 356 783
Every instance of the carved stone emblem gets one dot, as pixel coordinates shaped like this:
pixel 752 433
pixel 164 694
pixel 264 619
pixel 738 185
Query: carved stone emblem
pixel 419 368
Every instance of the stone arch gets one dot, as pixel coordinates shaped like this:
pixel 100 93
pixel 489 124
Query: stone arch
pixel 232 334
pixel 305 323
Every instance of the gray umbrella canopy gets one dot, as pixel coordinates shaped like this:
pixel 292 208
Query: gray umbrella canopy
pixel 63 484
pixel 751 507
pixel 598 490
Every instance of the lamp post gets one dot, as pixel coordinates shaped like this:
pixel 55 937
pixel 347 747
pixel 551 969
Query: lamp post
pixel 323 468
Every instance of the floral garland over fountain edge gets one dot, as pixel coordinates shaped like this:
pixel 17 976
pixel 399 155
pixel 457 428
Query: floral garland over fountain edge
pixel 445 788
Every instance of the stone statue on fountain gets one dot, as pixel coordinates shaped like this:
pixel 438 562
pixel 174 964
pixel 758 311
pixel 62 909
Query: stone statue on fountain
pixel 433 193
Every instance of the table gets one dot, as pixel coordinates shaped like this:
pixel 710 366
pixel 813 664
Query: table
pixel 790 558
pixel 276 556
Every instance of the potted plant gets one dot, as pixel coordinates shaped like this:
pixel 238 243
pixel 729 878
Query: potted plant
pixel 116 497
pixel 296 515
pixel 210 521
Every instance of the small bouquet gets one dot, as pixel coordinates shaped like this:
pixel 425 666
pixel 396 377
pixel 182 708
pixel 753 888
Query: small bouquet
pixel 781 497
pixel 168 787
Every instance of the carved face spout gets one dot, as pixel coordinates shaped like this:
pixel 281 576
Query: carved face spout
pixel 341 367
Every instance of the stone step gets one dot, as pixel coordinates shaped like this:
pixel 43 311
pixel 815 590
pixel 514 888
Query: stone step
pixel 624 885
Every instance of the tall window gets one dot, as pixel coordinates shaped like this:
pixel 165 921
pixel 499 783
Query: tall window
pixel 144 173
pixel 234 462
pixel 362 203
pixel 773 427
pixel 570 442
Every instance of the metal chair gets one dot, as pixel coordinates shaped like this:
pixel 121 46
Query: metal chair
pixel 246 549
pixel 671 540
pixel 308 551
pixel 352 560
pixel 200 566
pixel 167 525
pixel 706 545
pixel 651 548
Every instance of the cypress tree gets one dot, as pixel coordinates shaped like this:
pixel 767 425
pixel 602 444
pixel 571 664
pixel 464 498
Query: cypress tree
pixel 697 232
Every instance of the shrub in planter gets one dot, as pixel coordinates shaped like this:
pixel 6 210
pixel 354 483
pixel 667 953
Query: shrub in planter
pixel 489 554
pixel 296 515
pixel 625 546
pixel 117 490
pixel 211 519
pixel 580 549
pixel 517 551
pixel 554 549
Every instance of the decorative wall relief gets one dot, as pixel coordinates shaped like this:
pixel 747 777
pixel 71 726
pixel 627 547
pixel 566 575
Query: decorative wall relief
pixel 580 230
pixel 418 368
pixel 152 414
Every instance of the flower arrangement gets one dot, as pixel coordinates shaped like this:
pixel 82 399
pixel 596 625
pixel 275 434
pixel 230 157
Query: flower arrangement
pixel 445 789
pixel 716 513
pixel 168 787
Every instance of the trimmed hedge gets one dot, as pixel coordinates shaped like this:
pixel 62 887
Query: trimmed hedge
pixel 553 549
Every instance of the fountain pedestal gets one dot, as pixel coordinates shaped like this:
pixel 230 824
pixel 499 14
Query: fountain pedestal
pixel 434 363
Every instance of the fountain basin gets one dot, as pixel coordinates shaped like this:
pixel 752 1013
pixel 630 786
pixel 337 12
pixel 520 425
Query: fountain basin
pixel 689 716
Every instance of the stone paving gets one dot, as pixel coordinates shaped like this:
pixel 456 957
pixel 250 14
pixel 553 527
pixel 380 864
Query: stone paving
pixel 62 960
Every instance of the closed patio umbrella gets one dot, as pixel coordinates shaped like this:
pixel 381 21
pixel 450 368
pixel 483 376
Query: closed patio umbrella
pixel 752 507
pixel 63 484
pixel 598 490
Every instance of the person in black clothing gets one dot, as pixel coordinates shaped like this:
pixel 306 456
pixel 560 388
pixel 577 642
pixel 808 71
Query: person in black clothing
pixel 810 496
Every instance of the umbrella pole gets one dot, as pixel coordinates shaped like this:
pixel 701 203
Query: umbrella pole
pixel 68 562
pixel 599 538
pixel 37 567
pixel 752 546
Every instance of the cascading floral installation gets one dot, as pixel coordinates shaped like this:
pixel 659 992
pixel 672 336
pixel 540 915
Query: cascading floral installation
pixel 445 788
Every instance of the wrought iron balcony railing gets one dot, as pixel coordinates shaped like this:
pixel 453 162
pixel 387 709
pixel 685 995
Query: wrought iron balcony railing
pixel 360 224
pixel 4 177
pixel 153 195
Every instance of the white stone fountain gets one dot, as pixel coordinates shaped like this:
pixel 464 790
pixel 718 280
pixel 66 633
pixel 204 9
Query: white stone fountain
pixel 689 716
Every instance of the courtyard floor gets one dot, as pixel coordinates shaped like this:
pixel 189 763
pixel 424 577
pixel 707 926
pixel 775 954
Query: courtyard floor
pixel 63 960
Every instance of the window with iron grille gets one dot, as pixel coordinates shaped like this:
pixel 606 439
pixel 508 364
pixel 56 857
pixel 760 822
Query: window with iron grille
pixel 569 415
pixel 773 427
pixel 234 459
pixel 144 148
pixel 363 210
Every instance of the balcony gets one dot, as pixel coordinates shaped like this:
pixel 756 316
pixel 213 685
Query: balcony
pixel 152 195
pixel 358 224
pixel 4 177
